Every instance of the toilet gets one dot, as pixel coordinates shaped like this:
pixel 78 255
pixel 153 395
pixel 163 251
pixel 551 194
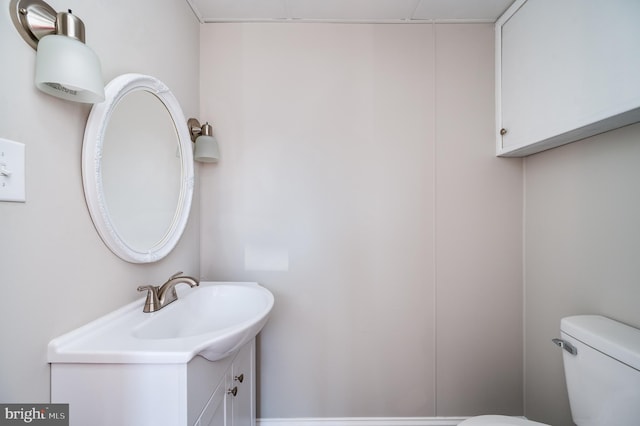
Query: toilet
pixel 602 367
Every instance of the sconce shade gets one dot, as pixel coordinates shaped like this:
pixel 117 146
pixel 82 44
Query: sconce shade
pixel 206 150
pixel 68 69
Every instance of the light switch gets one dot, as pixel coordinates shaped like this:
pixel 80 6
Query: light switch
pixel 12 171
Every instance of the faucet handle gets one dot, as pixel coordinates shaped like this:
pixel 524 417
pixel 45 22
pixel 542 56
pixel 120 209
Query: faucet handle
pixel 152 303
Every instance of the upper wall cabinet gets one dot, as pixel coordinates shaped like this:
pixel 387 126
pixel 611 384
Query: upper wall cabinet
pixel 565 70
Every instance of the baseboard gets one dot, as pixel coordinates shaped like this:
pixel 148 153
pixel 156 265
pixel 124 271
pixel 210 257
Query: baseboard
pixel 361 421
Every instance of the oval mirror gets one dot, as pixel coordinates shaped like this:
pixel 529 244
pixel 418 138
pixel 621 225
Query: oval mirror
pixel 137 168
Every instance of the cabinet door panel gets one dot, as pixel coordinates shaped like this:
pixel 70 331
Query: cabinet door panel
pixel 568 69
pixel 213 413
pixel 243 405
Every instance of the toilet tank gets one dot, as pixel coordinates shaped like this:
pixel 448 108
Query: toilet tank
pixel 603 377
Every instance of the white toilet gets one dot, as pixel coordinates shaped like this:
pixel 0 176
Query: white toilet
pixel 602 367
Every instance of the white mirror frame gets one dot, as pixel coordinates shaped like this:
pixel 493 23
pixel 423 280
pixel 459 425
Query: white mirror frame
pixel 92 149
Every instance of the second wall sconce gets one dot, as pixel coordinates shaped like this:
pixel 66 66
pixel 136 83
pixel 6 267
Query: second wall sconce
pixel 65 66
pixel 206 149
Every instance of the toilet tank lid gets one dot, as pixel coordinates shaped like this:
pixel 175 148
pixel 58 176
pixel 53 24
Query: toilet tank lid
pixel 610 337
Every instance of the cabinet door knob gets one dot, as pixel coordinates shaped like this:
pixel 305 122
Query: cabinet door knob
pixel 503 131
pixel 239 378
pixel 233 391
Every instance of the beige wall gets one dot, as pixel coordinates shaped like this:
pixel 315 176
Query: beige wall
pixel 582 247
pixel 478 235
pixel 55 272
pixel 358 182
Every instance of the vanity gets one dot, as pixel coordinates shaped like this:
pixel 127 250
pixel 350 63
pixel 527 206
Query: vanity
pixel 198 393
pixel 191 363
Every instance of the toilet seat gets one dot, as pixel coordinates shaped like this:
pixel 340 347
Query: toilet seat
pixel 499 421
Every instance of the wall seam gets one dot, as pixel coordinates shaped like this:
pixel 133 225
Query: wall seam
pixel 435 219
pixel 524 287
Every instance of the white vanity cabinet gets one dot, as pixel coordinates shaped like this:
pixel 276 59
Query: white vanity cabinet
pixel 565 70
pixel 198 393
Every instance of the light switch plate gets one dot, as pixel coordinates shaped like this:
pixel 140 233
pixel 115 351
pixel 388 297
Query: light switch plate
pixel 12 171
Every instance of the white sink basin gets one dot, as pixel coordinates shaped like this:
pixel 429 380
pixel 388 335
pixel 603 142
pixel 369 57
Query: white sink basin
pixel 212 320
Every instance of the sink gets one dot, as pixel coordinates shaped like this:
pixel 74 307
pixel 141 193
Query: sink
pixel 213 320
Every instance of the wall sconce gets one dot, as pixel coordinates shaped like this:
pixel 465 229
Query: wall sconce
pixel 206 149
pixel 65 66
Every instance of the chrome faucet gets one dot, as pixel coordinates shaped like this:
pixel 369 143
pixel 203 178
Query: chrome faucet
pixel 160 296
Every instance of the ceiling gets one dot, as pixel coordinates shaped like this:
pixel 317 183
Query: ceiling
pixel 400 11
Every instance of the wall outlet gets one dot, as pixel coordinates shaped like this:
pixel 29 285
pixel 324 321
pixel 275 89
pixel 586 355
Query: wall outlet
pixel 12 171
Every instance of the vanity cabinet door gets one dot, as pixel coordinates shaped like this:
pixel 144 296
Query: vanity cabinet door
pixel 233 402
pixel 218 419
pixel 565 70
pixel 241 402
pixel 214 412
